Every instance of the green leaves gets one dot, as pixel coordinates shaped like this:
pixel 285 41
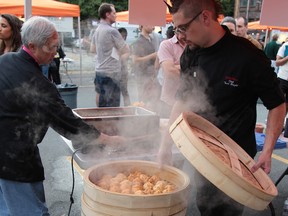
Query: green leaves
pixel 228 7
pixel 89 8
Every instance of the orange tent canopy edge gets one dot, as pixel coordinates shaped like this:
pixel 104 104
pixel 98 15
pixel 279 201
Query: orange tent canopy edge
pixel 41 8
pixel 256 26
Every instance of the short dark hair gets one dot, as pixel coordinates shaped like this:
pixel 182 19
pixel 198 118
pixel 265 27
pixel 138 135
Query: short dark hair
pixel 124 30
pixel 170 32
pixel 103 9
pixel 245 20
pixel 191 7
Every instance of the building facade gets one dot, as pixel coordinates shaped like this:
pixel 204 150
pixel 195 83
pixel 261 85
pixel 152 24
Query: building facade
pixel 252 12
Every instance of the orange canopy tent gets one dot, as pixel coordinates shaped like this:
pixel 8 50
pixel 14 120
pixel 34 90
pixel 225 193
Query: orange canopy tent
pixel 256 25
pixel 40 8
pixel 47 8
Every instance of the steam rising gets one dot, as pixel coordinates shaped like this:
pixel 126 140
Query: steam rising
pixel 196 94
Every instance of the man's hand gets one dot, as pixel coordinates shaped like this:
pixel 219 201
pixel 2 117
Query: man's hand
pixel 264 162
pixel 112 142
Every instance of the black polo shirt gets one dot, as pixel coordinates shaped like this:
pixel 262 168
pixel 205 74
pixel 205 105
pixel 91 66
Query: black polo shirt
pixel 223 82
pixel 141 48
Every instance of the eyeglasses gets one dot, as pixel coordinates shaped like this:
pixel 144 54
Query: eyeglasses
pixel 183 28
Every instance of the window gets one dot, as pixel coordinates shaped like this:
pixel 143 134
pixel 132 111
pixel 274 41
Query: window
pixel 243 3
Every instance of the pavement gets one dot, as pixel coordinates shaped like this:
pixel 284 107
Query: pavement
pixel 56 155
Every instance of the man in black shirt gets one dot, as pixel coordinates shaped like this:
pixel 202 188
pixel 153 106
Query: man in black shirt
pixel 222 76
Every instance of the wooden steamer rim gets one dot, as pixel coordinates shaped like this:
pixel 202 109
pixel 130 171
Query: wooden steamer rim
pixel 227 178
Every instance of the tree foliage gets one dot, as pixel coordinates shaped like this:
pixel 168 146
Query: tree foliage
pixel 89 8
pixel 228 7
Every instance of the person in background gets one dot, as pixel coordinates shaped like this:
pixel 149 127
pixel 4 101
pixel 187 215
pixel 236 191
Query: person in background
pixel 10 37
pixel 54 66
pixel 160 78
pixel 124 71
pixel 242 28
pixel 282 63
pixel 109 47
pixel 271 50
pixel 169 54
pixel 143 58
pixel 222 77
pixel 230 23
pixel 30 104
pixel 156 39
pixel 170 32
pixel 258 38
pixel 86 43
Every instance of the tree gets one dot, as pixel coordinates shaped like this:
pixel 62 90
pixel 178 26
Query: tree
pixel 89 8
pixel 228 7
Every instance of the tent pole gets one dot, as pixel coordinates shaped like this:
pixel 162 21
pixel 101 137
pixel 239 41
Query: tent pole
pixel 27 9
pixel 266 37
pixel 80 48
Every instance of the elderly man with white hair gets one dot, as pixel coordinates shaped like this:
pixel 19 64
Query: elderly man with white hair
pixel 30 104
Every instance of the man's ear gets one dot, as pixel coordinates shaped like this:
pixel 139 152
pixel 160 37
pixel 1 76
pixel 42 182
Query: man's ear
pixel 31 47
pixel 206 17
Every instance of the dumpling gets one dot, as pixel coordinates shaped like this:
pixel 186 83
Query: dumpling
pixel 125 185
pixel 139 192
pixel 153 179
pixel 169 188
pixel 115 188
pixel 121 177
pixel 144 178
pixel 103 184
pixel 148 185
pixel 160 185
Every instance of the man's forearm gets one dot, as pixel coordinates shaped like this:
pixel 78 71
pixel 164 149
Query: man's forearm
pixel 281 61
pixel 275 122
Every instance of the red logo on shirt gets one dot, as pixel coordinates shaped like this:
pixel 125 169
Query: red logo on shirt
pixel 231 81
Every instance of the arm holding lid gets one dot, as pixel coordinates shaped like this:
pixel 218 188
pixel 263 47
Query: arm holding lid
pixel 274 127
pixel 165 150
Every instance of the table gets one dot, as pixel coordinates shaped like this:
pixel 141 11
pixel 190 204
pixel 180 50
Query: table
pixel 66 61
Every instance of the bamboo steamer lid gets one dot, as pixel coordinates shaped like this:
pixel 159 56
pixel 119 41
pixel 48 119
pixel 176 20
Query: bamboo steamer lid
pixel 222 161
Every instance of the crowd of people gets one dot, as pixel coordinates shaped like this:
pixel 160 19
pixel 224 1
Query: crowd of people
pixel 143 57
pixel 216 70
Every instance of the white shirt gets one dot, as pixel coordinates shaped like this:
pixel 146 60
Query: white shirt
pixel 283 70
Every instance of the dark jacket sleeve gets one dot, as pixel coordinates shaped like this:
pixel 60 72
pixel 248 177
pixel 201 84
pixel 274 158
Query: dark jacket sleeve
pixel 61 118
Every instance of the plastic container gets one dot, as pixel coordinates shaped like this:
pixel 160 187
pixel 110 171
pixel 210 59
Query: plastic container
pixel 68 93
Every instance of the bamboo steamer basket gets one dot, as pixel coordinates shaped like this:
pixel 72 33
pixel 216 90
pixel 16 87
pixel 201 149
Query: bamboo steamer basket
pixel 222 161
pixel 98 201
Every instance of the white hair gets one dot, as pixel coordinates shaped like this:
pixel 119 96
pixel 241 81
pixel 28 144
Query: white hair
pixel 37 30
